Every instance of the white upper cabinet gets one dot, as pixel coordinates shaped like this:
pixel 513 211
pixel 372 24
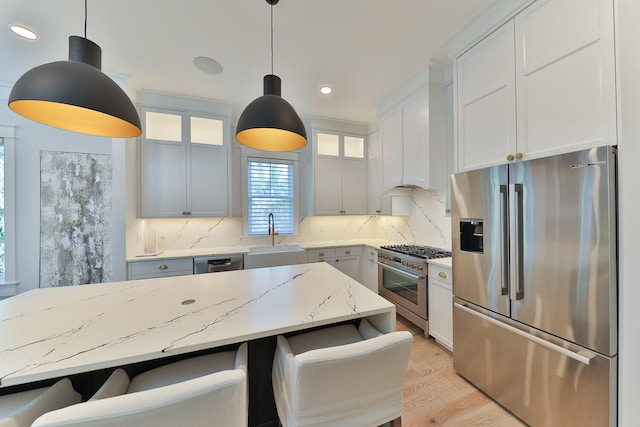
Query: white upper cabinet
pixel 486 101
pixel 415 140
pixel 163 180
pixel 541 84
pixel 412 132
pixel 340 181
pixel 565 76
pixel 184 159
pixel 354 175
pixel 450 142
pixel 392 147
pixel 374 174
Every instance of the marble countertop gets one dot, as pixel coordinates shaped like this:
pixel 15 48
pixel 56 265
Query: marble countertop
pixel 53 332
pixel 443 262
pixel 196 252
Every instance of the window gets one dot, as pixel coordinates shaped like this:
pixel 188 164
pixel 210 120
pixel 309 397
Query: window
pixel 271 189
pixel 8 281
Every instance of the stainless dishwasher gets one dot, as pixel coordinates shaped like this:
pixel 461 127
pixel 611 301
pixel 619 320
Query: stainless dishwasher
pixel 217 263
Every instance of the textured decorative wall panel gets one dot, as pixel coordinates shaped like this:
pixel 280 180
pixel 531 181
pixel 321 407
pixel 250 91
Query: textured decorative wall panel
pixel 75 218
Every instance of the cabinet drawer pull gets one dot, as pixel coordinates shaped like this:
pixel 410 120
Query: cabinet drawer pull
pixel 510 157
pixel 186 212
pixel 321 254
pixel 163 266
pixel 378 211
pixel 442 274
pixel 518 156
pixel 343 212
pixel 347 252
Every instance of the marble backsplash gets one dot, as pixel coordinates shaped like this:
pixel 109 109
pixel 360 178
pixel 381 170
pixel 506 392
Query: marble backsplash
pixel 427 225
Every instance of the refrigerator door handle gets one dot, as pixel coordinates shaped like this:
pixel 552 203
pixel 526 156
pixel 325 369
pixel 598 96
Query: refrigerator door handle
pixel 583 356
pixel 516 290
pixel 502 272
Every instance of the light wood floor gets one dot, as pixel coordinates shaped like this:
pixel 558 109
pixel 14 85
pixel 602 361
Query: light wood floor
pixel 435 395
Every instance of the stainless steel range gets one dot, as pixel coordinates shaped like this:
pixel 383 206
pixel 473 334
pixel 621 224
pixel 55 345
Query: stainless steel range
pixel 402 279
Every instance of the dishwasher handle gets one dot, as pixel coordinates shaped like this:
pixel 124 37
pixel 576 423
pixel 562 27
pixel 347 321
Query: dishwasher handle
pixel 214 264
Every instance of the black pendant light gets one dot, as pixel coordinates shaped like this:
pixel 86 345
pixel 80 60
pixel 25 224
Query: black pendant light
pixel 270 123
pixel 76 95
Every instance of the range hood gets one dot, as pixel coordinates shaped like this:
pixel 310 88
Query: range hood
pixel 413 125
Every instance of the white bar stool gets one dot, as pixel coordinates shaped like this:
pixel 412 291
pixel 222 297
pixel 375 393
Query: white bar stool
pixel 341 376
pixel 21 409
pixel 192 392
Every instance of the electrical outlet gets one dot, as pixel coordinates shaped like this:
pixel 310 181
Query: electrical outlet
pixel 140 237
pixel 162 234
pixel 204 232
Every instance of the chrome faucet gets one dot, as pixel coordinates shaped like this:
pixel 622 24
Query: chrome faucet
pixel 272 229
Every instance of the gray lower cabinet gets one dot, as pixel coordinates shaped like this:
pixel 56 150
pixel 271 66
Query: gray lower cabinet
pixel 159 268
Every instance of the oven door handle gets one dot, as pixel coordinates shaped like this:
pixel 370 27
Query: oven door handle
pixel 401 272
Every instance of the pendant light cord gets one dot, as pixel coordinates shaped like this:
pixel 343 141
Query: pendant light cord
pixel 85 19
pixel 271 37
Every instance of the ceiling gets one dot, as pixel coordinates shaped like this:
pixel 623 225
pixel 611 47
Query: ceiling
pixel 364 49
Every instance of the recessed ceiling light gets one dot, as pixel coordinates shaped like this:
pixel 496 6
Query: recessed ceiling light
pixel 207 65
pixel 326 90
pixel 23 32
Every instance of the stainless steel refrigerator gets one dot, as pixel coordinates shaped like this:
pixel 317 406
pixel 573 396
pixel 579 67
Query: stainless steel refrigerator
pixel 535 286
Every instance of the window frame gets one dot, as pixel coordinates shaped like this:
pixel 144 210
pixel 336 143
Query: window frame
pixel 248 154
pixel 9 283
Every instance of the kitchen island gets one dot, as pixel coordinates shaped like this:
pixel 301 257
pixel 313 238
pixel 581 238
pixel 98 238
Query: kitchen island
pixel 55 332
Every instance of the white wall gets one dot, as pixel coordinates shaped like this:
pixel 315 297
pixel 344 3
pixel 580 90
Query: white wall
pixel 628 42
pixel 30 139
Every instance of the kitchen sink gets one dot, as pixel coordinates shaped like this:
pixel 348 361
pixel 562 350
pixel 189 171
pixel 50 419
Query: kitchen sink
pixel 271 256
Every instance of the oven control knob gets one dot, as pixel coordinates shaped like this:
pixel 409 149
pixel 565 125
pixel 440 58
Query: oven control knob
pixel 420 267
pixel 413 266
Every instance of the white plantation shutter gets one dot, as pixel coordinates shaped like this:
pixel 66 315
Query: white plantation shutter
pixel 270 189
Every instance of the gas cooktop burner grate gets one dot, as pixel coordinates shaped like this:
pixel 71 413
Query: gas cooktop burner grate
pixel 425 252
